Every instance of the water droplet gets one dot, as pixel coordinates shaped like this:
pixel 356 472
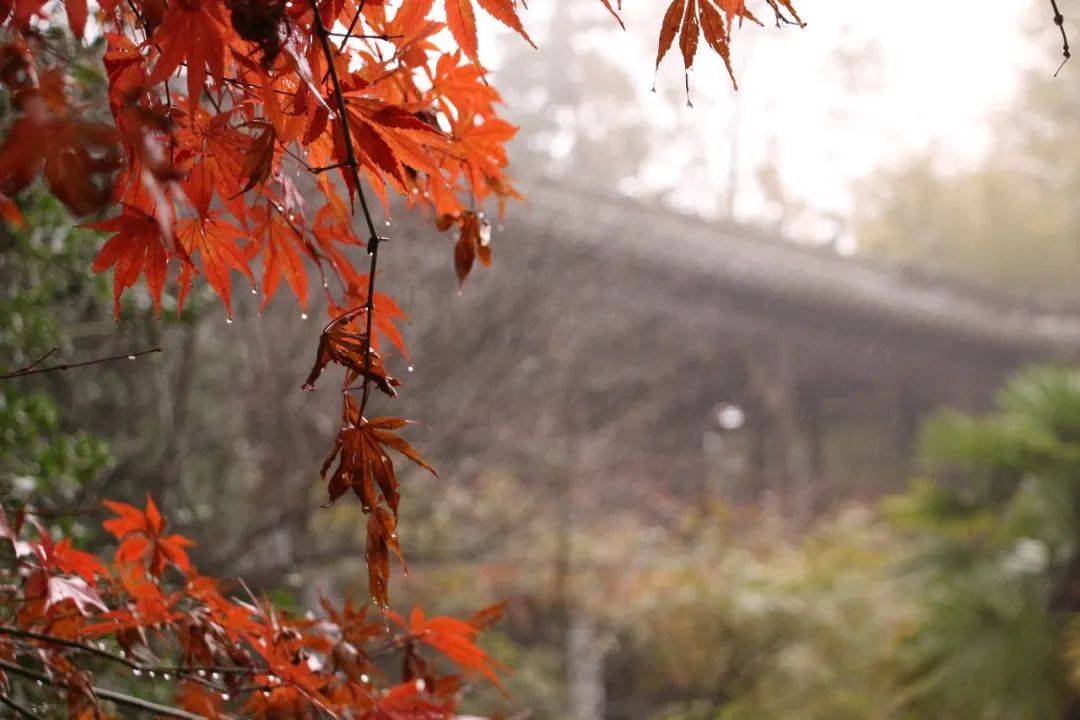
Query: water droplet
pixel 228 321
pixel 485 233
pixel 387 223
pixel 272 679
pixel 225 696
pixel 151 673
pixel 123 654
pixel 131 357
pixel 303 316
pixel 410 368
pixel 39 683
pixel 215 676
pixel 499 227
pixel 101 646
pixel 266 693
pixel 420 684
pixel 202 673
pixel 136 672
pixel 254 290
pixel 364 677
pixel 165 676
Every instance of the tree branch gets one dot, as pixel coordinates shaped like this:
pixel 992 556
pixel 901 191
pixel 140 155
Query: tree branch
pixel 1059 20
pixel 105 694
pixel 17 708
pixel 121 659
pixel 32 368
pixel 353 168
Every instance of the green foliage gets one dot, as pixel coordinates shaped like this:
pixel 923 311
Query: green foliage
pixel 995 543
pixel 45 271
pixel 950 601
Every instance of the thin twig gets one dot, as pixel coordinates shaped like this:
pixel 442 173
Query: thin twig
pixel 121 659
pixel 1059 20
pixel 353 168
pixel 31 370
pixel 105 694
pixel 19 709
pixel 352 25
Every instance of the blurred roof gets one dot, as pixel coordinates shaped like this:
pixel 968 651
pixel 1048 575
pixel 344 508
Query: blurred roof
pixel 745 259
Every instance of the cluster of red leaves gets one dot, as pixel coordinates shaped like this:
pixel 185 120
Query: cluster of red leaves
pixel 713 20
pixel 71 621
pixel 235 140
pixel 224 142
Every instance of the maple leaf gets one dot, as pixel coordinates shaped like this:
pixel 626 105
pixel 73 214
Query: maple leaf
pixel 474 242
pixel 217 153
pixel 690 18
pixel 75 589
pixel 281 248
pixel 349 348
pixel 381 539
pixel 461 20
pixel 387 314
pixel 141 537
pixel 191 32
pixel 456 639
pixel 63 557
pixel 77 14
pixel 213 239
pixel 78 160
pixel 363 464
pixel 135 249
pixel 259 161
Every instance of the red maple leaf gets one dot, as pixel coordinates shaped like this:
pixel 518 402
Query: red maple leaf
pixel 136 249
pixel 141 537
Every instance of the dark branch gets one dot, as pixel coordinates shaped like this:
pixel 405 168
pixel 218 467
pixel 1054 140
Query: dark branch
pixel 121 659
pixel 1059 20
pixel 105 694
pixel 353 168
pixel 31 369
pixel 17 708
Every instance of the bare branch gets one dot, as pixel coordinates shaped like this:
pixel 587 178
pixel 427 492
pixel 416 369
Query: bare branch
pixel 105 694
pixel 32 368
pixel 17 708
pixel 1059 20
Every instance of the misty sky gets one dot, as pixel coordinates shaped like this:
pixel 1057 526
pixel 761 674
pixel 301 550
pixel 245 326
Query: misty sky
pixel 864 84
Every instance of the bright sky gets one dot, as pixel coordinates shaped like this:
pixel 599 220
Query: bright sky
pixel 864 84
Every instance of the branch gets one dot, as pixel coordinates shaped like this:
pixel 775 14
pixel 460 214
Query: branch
pixel 353 168
pixel 1059 20
pixel 19 709
pixel 116 697
pixel 31 369
pixel 123 660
